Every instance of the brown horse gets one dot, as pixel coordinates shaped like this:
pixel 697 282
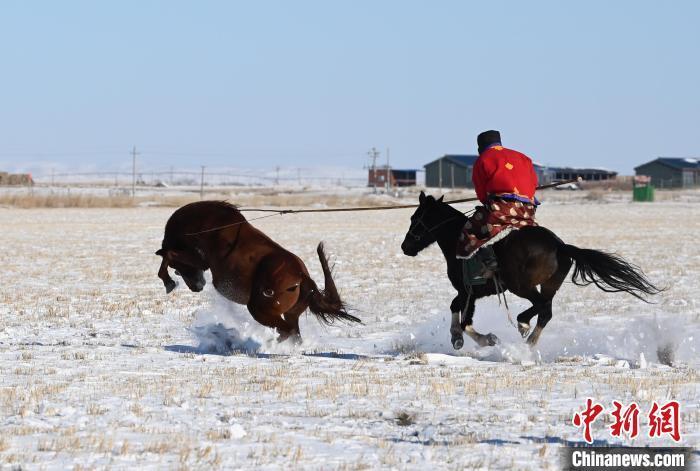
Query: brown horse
pixel 528 258
pixel 247 267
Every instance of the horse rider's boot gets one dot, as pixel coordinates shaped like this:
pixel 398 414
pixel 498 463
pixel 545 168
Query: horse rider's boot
pixel 487 257
pixel 473 269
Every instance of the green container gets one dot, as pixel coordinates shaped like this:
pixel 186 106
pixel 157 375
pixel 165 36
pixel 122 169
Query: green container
pixel 643 193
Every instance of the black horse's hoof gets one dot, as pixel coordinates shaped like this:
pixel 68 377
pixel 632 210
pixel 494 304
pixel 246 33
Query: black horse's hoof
pixel 457 342
pixel 524 329
pixel 169 286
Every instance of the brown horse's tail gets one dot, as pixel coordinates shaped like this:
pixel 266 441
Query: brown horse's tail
pixel 326 304
pixel 608 272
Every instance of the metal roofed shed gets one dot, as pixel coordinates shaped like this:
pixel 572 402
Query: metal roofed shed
pixel 587 174
pixel 382 176
pixel 450 171
pixel 671 172
pixel 455 171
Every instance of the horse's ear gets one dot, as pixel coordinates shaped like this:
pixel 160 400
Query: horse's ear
pixel 421 197
pixel 441 198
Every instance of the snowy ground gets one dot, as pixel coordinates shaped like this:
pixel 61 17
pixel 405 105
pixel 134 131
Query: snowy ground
pixel 100 368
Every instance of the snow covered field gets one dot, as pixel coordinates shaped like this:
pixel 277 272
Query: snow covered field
pixel 100 368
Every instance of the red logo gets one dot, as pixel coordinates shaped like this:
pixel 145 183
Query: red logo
pixel 587 417
pixel 663 420
pixel 626 421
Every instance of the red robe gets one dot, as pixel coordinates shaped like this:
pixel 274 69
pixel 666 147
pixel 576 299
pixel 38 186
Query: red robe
pixel 504 172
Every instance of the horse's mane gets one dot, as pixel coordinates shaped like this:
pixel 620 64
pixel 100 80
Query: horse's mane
pixel 221 207
pixel 225 204
pixel 227 207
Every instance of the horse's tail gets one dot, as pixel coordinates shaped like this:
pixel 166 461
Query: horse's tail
pixel 609 272
pixel 326 304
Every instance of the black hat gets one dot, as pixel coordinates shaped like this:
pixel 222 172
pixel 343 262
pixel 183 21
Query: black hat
pixel 488 138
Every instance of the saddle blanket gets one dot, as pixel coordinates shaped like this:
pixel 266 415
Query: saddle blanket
pixel 493 222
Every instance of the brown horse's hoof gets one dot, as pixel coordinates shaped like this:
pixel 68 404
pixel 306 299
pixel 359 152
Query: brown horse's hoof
pixel 170 285
pixel 489 340
pixel 294 338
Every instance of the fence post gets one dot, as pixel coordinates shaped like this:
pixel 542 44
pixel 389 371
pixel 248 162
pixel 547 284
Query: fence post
pixel 201 185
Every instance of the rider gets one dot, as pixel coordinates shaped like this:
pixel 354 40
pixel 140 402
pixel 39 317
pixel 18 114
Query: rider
pixel 505 182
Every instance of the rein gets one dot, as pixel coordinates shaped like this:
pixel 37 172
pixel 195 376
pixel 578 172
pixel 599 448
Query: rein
pixel 428 230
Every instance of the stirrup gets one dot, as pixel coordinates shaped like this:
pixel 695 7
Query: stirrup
pixel 472 272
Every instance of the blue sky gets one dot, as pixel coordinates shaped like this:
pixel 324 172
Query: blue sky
pixel 317 83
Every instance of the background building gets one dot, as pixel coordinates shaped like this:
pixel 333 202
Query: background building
pixel 671 172
pixel 16 179
pixel 397 177
pixel 450 171
pixel 455 171
pixel 550 174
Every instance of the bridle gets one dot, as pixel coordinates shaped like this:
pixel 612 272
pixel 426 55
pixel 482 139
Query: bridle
pixel 427 230
pixel 419 222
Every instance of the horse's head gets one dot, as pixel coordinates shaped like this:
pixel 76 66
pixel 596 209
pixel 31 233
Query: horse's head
pixel 428 216
pixel 186 267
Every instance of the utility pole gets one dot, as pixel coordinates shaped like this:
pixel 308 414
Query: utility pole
pixel 277 175
pixel 374 154
pixel 133 172
pixel 201 185
pixel 171 175
pixel 52 177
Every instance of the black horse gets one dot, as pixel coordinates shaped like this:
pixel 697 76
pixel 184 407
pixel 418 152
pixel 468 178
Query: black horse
pixel 527 257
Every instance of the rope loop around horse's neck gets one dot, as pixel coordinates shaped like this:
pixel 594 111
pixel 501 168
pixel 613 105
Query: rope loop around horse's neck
pixel 340 210
pixel 383 208
pixel 279 212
